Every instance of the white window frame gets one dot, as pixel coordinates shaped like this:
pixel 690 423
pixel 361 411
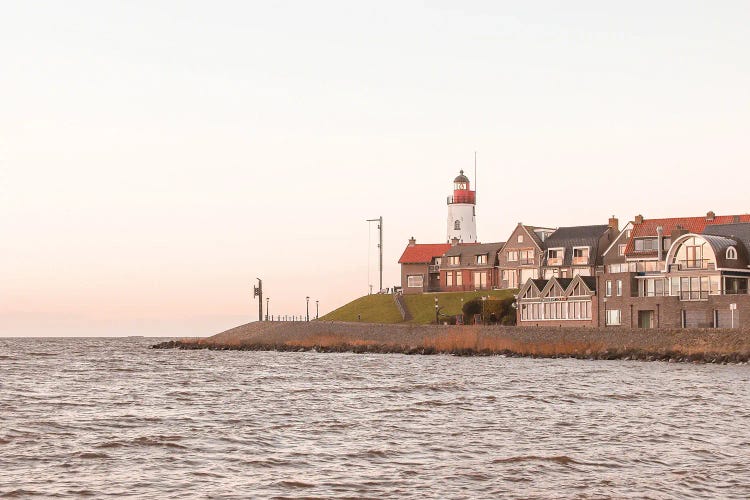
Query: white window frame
pixel 731 253
pixel 621 249
pixel 608 288
pixel 512 255
pixel 481 259
pixel 613 317
pixel 411 280
pixel 520 238
pixel 619 288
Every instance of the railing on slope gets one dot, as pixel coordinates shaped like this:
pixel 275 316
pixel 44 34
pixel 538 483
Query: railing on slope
pixel 401 305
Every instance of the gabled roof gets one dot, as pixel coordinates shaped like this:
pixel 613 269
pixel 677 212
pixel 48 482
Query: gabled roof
pixel 590 282
pixel 696 225
pixel 468 252
pixel 423 253
pixel 567 284
pixel 577 236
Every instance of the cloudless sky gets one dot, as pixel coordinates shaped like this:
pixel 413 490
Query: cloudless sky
pixel 158 156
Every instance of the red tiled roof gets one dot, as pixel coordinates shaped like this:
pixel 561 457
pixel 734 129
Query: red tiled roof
pixel 423 253
pixel 691 224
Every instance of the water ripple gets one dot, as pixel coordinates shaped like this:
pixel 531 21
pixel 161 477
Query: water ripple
pixel 110 417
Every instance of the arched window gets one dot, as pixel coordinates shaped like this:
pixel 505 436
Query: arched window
pixel 732 253
pixel 457 225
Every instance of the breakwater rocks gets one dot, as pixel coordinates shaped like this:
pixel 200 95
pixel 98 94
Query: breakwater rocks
pixel 687 345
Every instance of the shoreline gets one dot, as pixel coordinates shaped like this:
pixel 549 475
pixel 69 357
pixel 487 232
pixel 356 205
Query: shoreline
pixel 674 345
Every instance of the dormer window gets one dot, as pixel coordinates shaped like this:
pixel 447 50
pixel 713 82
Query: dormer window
pixel 731 253
pixel 482 259
pixel 580 255
pixel 555 256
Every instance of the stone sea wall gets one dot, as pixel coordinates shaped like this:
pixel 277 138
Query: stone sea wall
pixel 700 345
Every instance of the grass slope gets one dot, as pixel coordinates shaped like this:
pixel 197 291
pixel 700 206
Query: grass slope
pixel 370 309
pixel 382 309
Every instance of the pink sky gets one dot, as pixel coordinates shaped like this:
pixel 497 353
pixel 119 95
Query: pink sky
pixel 157 157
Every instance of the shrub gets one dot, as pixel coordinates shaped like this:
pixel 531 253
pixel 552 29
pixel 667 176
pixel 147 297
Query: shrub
pixel 495 310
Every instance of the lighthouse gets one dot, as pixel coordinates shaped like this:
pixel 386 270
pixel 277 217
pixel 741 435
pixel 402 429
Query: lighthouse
pixel 462 219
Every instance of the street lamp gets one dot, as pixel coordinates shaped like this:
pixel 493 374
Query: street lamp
pixel 307 309
pixel 484 298
pixel 268 314
pixel 316 309
pixel 437 309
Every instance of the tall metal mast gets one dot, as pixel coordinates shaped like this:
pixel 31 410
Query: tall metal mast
pixel 258 292
pixel 379 220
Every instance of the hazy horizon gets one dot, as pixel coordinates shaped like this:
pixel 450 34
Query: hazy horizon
pixel 156 157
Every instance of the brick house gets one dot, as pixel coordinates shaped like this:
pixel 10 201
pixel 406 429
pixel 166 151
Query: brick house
pixel 521 257
pixel 677 272
pixel 577 250
pixel 470 267
pixel 558 302
pixel 420 266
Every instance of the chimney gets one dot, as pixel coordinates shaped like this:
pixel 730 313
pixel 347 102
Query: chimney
pixel 614 223
pixel 638 219
pixel 412 241
pixel 454 241
pixel 677 232
pixel 710 215
pixel 660 241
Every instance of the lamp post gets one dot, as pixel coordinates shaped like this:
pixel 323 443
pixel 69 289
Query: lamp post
pixel 605 310
pixel 268 314
pixel 316 309
pixel 307 308
pixel 437 308
pixel 484 298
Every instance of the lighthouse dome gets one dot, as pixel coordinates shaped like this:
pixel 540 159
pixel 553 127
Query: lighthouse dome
pixel 461 178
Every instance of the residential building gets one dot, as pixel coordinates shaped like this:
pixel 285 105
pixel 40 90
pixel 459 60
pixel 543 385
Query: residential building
pixel 577 250
pixel 420 266
pixel 678 272
pixel 522 255
pixel 558 302
pixel 470 267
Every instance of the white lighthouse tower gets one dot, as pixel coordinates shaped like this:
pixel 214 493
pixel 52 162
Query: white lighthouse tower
pixel 462 219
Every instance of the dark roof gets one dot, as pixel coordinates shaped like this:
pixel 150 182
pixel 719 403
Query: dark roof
pixel 423 253
pixel 468 252
pixel 540 283
pixel 577 236
pixel 461 178
pixel 722 236
pixel 590 282
pixel 534 236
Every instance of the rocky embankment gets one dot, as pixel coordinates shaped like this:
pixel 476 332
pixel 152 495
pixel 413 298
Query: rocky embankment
pixel 697 345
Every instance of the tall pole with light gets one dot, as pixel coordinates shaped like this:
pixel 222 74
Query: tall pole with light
pixel 267 309
pixel 379 220
pixel 307 308
pixel 258 292
pixel 316 309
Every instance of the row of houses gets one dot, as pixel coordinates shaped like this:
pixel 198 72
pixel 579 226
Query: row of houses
pixel 668 273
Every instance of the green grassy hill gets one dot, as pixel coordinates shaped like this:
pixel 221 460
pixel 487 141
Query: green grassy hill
pixel 382 308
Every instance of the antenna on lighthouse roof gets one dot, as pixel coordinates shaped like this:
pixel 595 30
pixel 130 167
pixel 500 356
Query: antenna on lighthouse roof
pixel 475 176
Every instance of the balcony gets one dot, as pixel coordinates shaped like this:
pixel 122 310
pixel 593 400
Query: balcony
pixel 468 197
pixel 580 261
pixel 696 264
pixel 556 261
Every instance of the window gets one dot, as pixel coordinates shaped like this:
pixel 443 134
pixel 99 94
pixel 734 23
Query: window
pixel 526 256
pixel 621 249
pixel 457 225
pixel 580 255
pixel 449 278
pixel 646 244
pixel 454 260
pixel 653 287
pixel 459 278
pixel 619 288
pixel 438 260
pixel 520 238
pixel 735 286
pixel 552 254
pixel 608 291
pixel 613 317
pixel 480 279
pixel 414 281
pixel 555 256
pixel 732 253
pixel 512 256
pixel 481 259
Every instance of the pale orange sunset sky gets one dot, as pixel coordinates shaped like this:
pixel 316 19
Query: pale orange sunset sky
pixel 155 157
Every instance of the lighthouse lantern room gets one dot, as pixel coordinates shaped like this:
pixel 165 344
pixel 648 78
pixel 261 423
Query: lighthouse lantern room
pixel 462 222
